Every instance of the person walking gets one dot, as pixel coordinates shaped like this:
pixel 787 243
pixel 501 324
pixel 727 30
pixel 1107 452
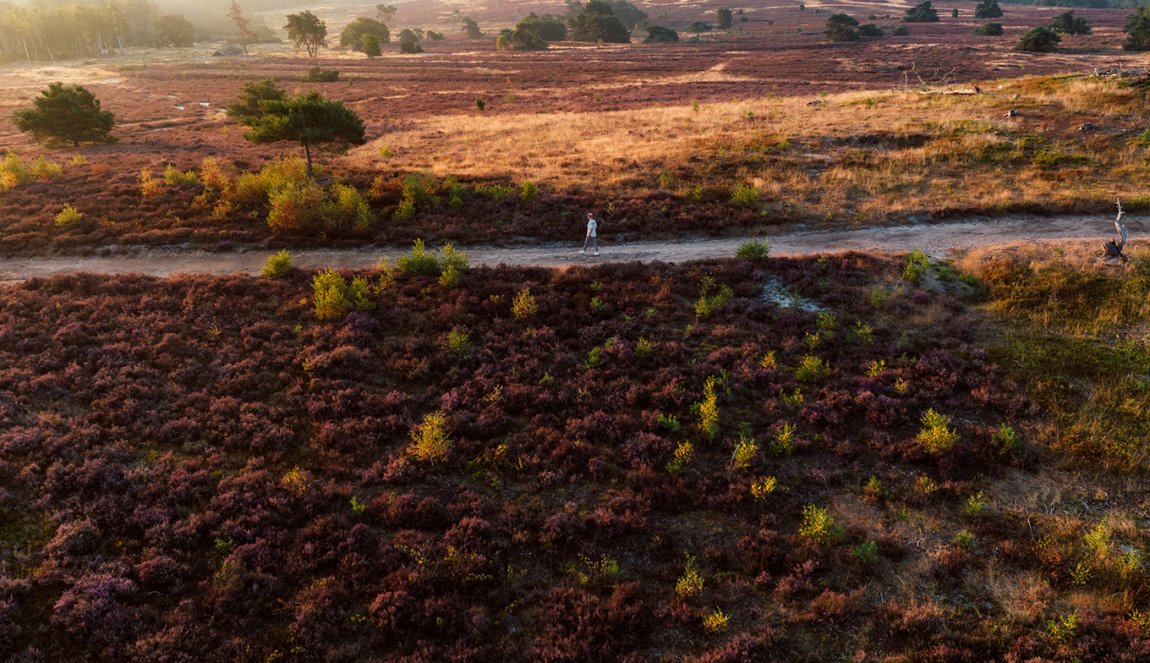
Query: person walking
pixel 592 234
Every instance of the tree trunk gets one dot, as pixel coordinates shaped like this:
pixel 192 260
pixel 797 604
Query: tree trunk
pixel 307 159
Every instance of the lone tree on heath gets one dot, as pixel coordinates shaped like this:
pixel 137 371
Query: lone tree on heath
pixel 1069 24
pixel 921 13
pixel 352 36
pixel 987 9
pixel 309 119
pixel 66 113
pixel 725 17
pixel 307 31
pixel 244 33
pixel 841 27
pixel 1138 30
pixel 596 21
pixel 1038 40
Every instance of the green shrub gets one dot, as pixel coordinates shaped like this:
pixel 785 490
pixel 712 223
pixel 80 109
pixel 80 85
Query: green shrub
pixel 175 177
pixel 818 525
pixel 989 30
pixel 866 552
pixel 708 409
pixel 297 208
pixel 745 195
pixel 783 443
pixel 524 305
pixel 318 75
pixel 329 295
pixel 13 172
pixel 690 583
pixel 682 457
pixel 277 265
pixel 936 436
pixel 708 304
pixel 528 191
pixel 1006 440
pixel 430 442
pixel 744 453
pixel 68 217
pixel 811 369
pixel 43 169
pixel 347 207
pixel 916 265
pixel 418 261
pixel 458 341
pixel 256 188
pixel 753 249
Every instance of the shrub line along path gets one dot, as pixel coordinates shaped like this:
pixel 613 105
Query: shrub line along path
pixel 936 239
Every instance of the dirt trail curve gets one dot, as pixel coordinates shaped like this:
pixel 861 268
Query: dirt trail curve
pixel 936 239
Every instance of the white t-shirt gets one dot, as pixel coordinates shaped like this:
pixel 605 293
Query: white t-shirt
pixel 591 226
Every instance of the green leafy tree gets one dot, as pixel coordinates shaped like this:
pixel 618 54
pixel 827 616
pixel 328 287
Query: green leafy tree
pixel 469 27
pixel 310 120
pixel 174 30
pixel 870 30
pixel 244 33
pixel 989 30
pixel 596 21
pixel 1040 39
pixel 547 27
pixel 409 41
pixel 307 31
pixel 385 13
pixel 249 106
pixel 841 27
pixel 369 46
pixel 657 34
pixel 352 36
pixel 628 14
pixel 987 9
pixel 921 13
pixel 1138 30
pixel 1069 24
pixel 699 27
pixel 66 113
pixel 725 18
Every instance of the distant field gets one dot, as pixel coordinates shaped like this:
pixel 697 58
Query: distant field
pixel 767 124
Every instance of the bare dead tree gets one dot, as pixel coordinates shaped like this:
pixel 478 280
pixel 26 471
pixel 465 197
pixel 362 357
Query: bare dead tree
pixel 1114 247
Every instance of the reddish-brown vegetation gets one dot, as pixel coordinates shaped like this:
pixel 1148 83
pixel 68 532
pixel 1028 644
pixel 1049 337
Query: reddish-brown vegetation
pixel 197 469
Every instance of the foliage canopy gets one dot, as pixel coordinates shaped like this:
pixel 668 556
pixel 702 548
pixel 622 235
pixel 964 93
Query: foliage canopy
pixel 66 113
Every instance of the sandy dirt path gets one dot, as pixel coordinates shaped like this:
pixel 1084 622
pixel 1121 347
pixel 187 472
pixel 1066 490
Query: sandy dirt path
pixel 936 239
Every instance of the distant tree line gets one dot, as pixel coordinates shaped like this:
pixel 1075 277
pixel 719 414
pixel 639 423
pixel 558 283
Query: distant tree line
pixel 92 28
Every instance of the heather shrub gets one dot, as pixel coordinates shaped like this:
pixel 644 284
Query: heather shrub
pixel 430 442
pixel 68 217
pixel 277 265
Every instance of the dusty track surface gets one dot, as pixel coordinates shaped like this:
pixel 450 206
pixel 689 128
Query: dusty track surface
pixel 936 239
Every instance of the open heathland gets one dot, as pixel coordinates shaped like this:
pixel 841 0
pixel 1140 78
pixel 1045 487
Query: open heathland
pixel 712 461
pixel 764 124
